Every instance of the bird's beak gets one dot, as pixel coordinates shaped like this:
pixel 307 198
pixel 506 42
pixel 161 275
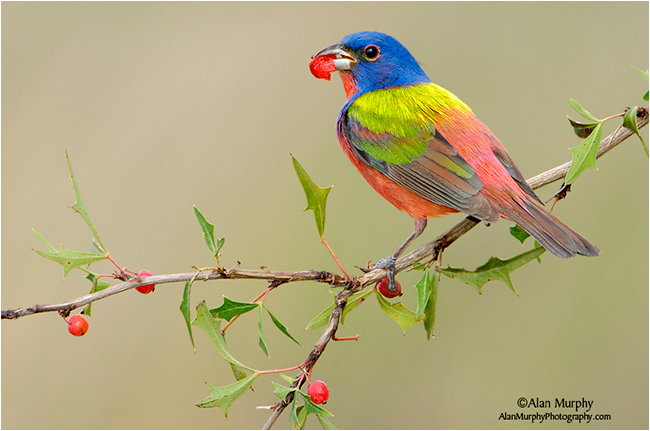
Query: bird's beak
pixel 343 60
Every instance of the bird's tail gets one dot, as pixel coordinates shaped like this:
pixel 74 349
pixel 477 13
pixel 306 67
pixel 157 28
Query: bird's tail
pixel 551 233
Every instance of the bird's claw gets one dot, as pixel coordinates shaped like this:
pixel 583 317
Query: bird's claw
pixel 389 265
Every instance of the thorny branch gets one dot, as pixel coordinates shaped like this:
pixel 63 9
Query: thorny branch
pixel 428 252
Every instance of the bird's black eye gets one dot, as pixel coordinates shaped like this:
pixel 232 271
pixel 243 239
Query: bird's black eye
pixel 371 52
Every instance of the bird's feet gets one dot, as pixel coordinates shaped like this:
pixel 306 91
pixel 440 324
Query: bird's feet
pixel 389 265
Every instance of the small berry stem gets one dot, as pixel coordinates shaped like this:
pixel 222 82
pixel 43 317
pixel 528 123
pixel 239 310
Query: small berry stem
pixel 622 114
pixel 122 270
pixel 355 338
pixel 336 259
pixel 283 369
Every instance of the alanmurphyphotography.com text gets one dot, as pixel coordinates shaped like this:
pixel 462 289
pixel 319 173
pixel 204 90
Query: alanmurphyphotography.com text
pixel 579 411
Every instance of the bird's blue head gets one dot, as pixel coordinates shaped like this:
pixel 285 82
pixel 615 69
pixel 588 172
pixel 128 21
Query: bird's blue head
pixel 370 60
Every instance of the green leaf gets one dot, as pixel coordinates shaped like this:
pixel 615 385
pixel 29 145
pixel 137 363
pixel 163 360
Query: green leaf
pixel 404 317
pixel 68 259
pixel 224 396
pixel 646 95
pixel 419 266
pixel 98 286
pixel 325 423
pixel 208 233
pixel 185 310
pixel 582 130
pixel 423 288
pixel 354 301
pixel 281 327
pixel 45 242
pixel 293 414
pixel 212 328
pixel 584 155
pixel 282 391
pixel 314 408
pixel 96 248
pixel 80 208
pixel 230 309
pixel 430 309
pixel 316 196
pixel 493 269
pixel 519 233
pixel 287 378
pixel 238 372
pixel 220 243
pixel 260 331
pixel 299 418
pixel 324 316
pixel 582 111
pixel 643 73
pixel 629 122
pixel 321 318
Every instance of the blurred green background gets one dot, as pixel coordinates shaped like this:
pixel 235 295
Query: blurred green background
pixel 165 105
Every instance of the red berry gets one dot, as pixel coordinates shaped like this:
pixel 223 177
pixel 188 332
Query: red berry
pixel 318 392
pixel 322 66
pixel 77 325
pixel 383 289
pixel 149 287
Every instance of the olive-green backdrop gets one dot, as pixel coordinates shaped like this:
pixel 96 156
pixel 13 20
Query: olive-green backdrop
pixel 165 105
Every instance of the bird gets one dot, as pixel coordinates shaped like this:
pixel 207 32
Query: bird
pixel 425 151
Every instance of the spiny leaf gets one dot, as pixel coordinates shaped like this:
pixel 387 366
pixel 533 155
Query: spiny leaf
pixel 49 246
pixel 582 111
pixel 260 331
pixel 419 266
pixel 643 73
pixel 353 302
pixel 287 378
pixel 68 259
pixel 582 130
pixel 316 196
pixel 519 233
pixel 212 328
pixel 98 286
pixel 224 396
pixel 208 233
pixel 282 391
pixel 629 122
pixel 79 206
pixel 230 309
pixel 238 372
pixel 185 309
pixel 293 414
pixel 493 269
pixel 324 316
pixel 584 155
pixel 430 309
pixel 404 317
pixel 281 327
pixel 299 418
pixel 423 288
pixel 208 230
pixel 314 408
pixel 325 423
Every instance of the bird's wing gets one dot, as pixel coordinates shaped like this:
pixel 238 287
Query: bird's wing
pixel 422 161
pixel 499 150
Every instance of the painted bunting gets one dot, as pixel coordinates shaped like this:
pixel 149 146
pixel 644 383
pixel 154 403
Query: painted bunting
pixel 424 150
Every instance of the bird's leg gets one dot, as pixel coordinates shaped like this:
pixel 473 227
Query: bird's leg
pixel 389 262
